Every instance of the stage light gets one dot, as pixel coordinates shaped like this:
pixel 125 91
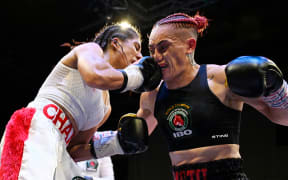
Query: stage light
pixel 125 24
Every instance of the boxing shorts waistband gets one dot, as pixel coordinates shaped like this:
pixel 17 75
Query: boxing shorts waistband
pixel 224 169
pixel 52 112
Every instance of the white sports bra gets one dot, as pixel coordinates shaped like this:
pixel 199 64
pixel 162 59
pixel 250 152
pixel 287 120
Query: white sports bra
pixel 65 86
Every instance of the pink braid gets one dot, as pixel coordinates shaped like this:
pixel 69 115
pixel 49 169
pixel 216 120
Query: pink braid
pixel 182 19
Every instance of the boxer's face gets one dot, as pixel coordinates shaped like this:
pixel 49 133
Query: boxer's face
pixel 167 48
pixel 129 52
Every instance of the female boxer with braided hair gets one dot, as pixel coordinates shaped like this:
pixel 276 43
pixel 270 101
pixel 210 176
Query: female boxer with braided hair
pixel 198 107
pixel 72 103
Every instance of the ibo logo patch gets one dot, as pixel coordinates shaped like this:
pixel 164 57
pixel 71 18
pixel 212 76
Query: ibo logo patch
pixel 178 120
pixel 177 116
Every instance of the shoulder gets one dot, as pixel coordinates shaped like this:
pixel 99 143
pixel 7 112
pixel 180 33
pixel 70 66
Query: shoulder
pixel 85 49
pixel 216 73
pixel 217 83
pixel 88 47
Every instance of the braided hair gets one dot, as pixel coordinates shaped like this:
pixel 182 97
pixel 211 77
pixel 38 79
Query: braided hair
pixel 107 33
pixel 182 20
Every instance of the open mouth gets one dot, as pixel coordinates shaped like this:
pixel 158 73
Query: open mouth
pixel 162 64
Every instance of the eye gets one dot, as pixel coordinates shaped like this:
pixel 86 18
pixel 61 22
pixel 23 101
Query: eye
pixel 137 47
pixel 163 46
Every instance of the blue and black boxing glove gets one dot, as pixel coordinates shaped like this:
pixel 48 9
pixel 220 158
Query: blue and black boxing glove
pixel 143 76
pixel 151 72
pixel 253 76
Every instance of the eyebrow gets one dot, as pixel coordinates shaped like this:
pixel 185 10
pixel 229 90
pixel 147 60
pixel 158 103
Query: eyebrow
pixel 159 43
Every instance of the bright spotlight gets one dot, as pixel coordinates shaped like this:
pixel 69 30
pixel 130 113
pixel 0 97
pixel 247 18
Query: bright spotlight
pixel 125 24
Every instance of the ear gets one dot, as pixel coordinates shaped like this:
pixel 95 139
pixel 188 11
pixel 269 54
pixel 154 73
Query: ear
pixel 115 43
pixel 191 42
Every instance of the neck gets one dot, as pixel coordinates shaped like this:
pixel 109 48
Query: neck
pixel 183 78
pixel 109 58
pixel 191 59
pixel 114 58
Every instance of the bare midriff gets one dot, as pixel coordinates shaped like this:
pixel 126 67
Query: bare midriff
pixel 204 154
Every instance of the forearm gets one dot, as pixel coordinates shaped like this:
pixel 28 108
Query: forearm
pixel 103 144
pixel 277 104
pixel 131 137
pixel 81 152
pixel 278 99
pixel 146 109
pixel 149 118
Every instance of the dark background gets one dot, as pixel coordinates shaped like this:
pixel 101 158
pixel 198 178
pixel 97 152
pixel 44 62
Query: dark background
pixel 33 30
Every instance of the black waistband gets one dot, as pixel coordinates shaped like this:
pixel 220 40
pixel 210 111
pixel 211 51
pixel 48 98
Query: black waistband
pixel 224 169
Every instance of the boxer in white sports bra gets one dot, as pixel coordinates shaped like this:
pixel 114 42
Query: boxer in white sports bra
pixel 71 105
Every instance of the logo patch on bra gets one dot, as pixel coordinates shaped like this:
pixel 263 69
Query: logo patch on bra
pixel 177 115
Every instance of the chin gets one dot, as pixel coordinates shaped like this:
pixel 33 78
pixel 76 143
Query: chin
pixel 166 77
pixel 165 72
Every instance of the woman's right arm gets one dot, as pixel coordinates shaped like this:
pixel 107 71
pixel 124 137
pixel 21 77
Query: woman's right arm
pixel 96 71
pixel 146 109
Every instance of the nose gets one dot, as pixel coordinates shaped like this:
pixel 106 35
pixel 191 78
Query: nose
pixel 139 55
pixel 157 56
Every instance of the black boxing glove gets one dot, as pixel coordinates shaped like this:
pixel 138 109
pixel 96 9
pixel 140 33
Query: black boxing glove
pixel 131 137
pixel 140 77
pixel 133 134
pixel 253 76
pixel 151 72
